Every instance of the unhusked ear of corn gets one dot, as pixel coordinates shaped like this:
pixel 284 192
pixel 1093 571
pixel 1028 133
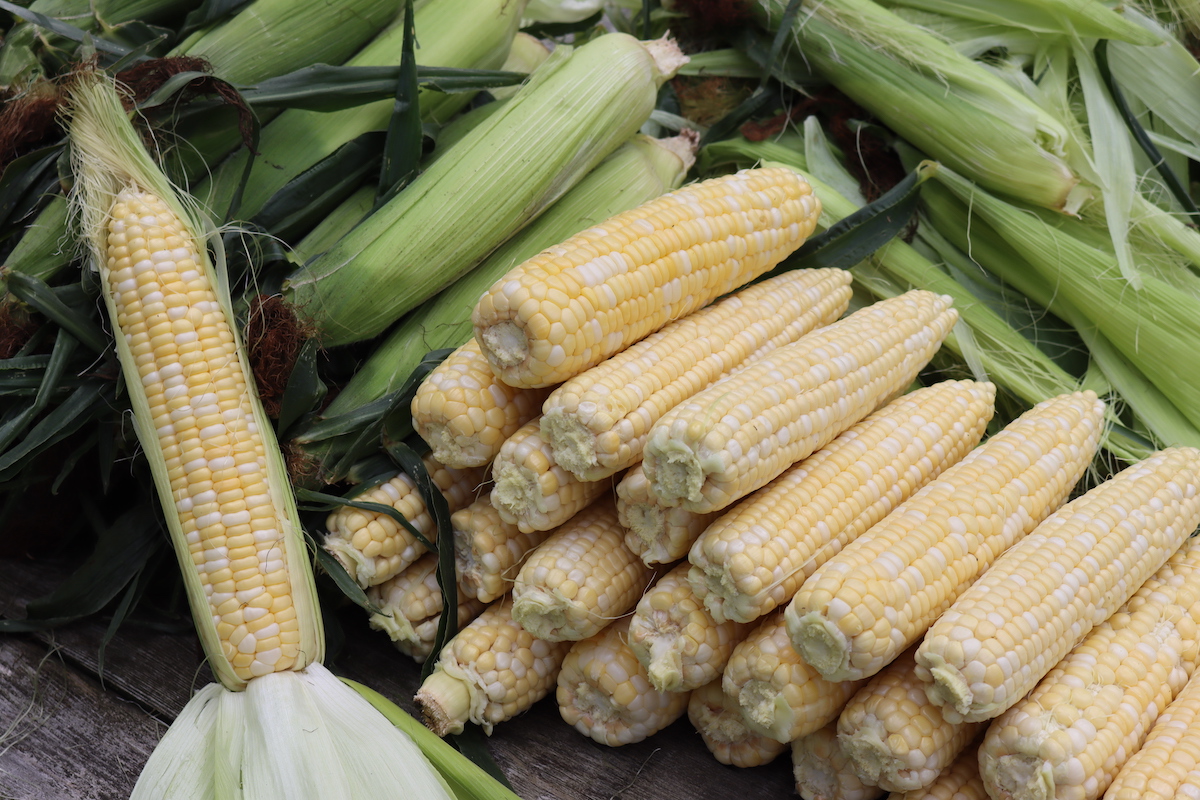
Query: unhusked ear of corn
pixel 822 769
pixel 658 533
pixel 604 692
pixel 488 551
pixel 1167 765
pixel 960 781
pixel 411 606
pixel 574 305
pixel 743 431
pixel 718 719
pixel 597 422
pixel 755 556
pixel 1044 594
pixel 864 606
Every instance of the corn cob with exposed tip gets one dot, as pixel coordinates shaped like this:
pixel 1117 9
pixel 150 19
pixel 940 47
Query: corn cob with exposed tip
pixel 822 769
pixel 753 558
pixel 411 605
pixel 604 692
pixel 659 534
pixel 679 643
pixel 572 306
pixel 718 719
pixel 597 421
pixel 465 413
pixel 868 603
pixel 960 781
pixel 488 551
pixel 1168 764
pixel 740 433
pixel 1042 596
pixel 580 579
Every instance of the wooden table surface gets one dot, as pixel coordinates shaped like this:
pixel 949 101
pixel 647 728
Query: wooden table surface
pixel 68 730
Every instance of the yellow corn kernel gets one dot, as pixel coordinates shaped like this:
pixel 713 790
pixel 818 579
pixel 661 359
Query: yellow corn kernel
pixel 488 551
pixel 960 781
pixel 411 608
pixel 822 769
pixel 718 719
pixel 659 534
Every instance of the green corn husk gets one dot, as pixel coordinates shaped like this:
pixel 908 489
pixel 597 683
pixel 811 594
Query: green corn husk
pixel 1086 18
pixel 43 248
pixel 577 108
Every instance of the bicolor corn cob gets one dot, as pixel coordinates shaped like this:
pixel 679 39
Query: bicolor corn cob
pixel 488 551
pixel 597 422
pixel 580 579
pixel 604 692
pixel 372 546
pixel 576 304
pixel 718 719
pixel 822 769
pixel 1168 764
pixel 755 556
pixel 960 781
pixel 658 533
pixel 465 413
pixel 1042 596
pixel 868 603
pixel 743 431
pixel 681 646
pixel 411 606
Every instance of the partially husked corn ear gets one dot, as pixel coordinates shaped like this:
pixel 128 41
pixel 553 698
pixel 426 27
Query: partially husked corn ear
pixel 658 533
pixel 1043 595
pixel 604 692
pixel 740 433
pixel 1168 764
pixel 597 421
pixel 864 606
pixel 679 643
pixel 822 769
pixel 718 719
pixel 464 413
pixel 960 781
pixel 576 304
pixel 411 606
pixel 492 670
pixel 488 551
pixel 754 557
pixel 372 546
pixel 580 579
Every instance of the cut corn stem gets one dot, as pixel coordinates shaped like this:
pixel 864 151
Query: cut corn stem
pixel 658 533
pixel 960 781
pixel 411 605
pixel 488 551
pixel 718 719
pixel 822 769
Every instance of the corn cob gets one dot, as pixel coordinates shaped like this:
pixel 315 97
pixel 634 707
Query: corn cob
pixel 681 646
pixel 960 781
pixel 488 551
pixel 604 692
pixel 659 534
pixel 897 739
pixel 740 433
pixel 532 491
pixel 822 769
pixel 491 671
pixel 1168 764
pixel 1040 598
pixel 597 421
pixel 372 546
pixel 753 558
pixel 718 719
pixel 411 606
pixel 780 695
pixel 868 603
pixel 580 579
pixel 574 305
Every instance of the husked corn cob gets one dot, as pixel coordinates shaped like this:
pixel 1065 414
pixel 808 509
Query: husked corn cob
pixel 868 603
pixel 492 670
pixel 780 695
pixel 822 769
pixel 1042 596
pixel 894 736
pixel 753 558
pixel 573 305
pixel 743 431
pixel 659 534
pixel 960 781
pixel 597 421
pixel 679 643
pixel 464 412
pixel 580 579
pixel 411 606
pixel 488 551
pixel 604 692
pixel 718 719
pixel 1167 765
pixel 372 546
pixel 532 491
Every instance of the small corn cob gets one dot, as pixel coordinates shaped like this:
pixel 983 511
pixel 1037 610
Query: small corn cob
pixel 960 781
pixel 464 413
pixel 488 551
pixel 897 739
pixel 659 534
pixel 737 435
pixel 780 695
pixel 754 557
pixel 868 603
pixel 532 491
pixel 604 692
pixel 1042 596
pixel 580 579
pixel 679 643
pixel 718 719
pixel 597 421
pixel 491 671
pixel 574 305
pixel 822 769
pixel 372 546
pixel 1167 765
pixel 411 606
